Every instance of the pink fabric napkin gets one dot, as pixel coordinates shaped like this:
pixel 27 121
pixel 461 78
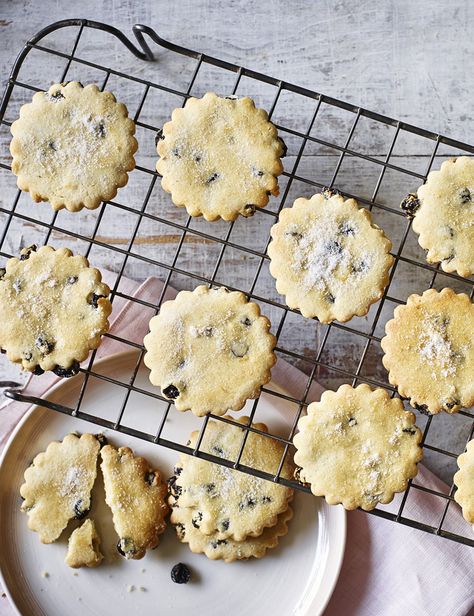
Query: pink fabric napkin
pixel 388 569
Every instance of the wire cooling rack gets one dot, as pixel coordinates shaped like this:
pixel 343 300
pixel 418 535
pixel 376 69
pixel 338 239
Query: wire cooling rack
pixel 320 363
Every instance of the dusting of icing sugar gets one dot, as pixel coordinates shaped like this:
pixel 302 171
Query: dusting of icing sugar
pixel 78 146
pixel 92 123
pixel 73 481
pixel 372 461
pixel 229 483
pixel 371 466
pixel 333 424
pixel 435 346
pixel 374 476
pixel 323 254
pixel 395 438
pixel 42 277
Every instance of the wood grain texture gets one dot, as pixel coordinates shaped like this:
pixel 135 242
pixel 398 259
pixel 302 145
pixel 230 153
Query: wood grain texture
pixel 404 59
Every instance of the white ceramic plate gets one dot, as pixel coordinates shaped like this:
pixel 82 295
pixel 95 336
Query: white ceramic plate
pixel 297 577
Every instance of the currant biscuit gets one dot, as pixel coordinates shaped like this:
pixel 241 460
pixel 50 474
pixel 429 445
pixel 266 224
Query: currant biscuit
pixel 217 548
pixel 429 352
pixel 220 157
pixel 328 258
pixel 136 496
pixel 58 485
pixel 209 350
pixel 229 502
pixel 357 447
pixel 73 146
pixel 54 310
pixel 443 211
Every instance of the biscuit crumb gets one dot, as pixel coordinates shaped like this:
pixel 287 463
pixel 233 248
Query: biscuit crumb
pixel 130 588
pixel 44 574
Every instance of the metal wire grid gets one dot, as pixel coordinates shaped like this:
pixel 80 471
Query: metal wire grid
pixel 145 53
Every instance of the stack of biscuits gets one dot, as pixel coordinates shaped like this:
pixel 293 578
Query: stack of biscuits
pixel 224 513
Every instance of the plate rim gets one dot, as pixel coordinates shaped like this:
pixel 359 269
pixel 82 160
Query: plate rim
pixel 340 538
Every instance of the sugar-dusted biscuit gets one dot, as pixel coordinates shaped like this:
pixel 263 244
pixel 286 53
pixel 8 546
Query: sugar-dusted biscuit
pixel 328 258
pixel 443 211
pixel 220 157
pixel 136 496
pixel 429 351
pixel 58 484
pixel 227 501
pixel 357 446
pixel 53 308
pixel 73 146
pixel 209 350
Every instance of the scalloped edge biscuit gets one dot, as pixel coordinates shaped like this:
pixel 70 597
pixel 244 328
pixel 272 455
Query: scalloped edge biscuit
pixel 197 155
pixel 429 376
pixel 210 350
pixel 55 310
pixel 301 271
pixel 357 447
pixel 229 550
pixel 103 168
pixel 219 505
pixel 440 220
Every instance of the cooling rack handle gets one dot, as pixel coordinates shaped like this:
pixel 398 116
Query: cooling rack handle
pixel 9 384
pixel 139 30
pixel 96 25
pixel 13 392
pixel 11 389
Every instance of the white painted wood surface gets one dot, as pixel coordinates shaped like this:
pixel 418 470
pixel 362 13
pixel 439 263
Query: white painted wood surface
pixel 409 60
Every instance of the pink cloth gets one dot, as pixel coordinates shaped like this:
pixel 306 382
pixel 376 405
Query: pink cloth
pixel 388 569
